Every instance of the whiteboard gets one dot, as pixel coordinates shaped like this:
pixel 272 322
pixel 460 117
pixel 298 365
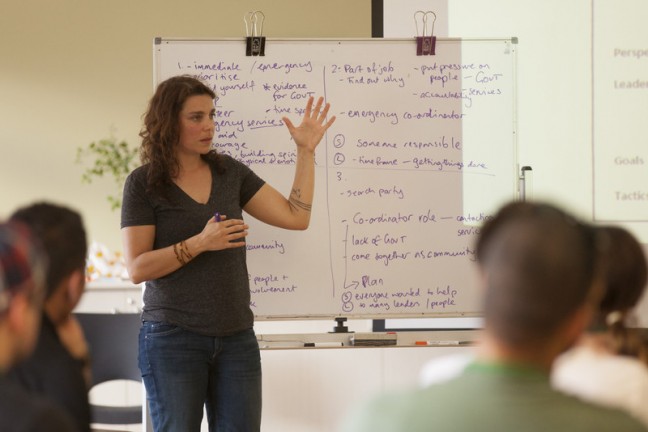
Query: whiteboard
pixel 422 153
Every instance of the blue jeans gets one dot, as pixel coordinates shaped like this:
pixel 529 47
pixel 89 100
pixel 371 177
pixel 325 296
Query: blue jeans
pixel 182 371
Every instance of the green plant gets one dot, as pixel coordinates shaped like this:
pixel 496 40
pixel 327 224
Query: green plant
pixel 110 158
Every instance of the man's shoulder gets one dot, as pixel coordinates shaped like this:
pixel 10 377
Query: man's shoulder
pixel 487 401
pixel 595 417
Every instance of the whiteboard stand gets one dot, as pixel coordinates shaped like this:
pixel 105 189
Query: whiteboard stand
pixel 526 183
pixel 340 327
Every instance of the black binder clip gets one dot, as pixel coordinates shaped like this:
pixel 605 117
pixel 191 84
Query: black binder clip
pixel 254 41
pixel 425 43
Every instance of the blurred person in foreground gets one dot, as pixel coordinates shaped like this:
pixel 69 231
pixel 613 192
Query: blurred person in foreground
pixel 538 269
pixel 609 364
pixel 59 367
pixel 23 267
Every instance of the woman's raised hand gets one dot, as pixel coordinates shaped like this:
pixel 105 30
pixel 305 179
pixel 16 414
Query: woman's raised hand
pixel 313 126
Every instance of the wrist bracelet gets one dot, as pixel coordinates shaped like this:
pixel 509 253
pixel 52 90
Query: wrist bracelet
pixel 182 252
pixel 178 255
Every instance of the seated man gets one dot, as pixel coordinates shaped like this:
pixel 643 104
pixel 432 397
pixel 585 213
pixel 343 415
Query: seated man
pixel 23 266
pixel 58 368
pixel 539 272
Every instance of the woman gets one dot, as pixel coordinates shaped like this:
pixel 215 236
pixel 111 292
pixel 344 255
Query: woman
pixel 609 364
pixel 183 233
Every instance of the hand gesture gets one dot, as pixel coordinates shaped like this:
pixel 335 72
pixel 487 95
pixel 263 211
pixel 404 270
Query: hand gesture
pixel 311 130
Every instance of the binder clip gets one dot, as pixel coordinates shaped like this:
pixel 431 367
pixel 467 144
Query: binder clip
pixel 425 43
pixel 254 41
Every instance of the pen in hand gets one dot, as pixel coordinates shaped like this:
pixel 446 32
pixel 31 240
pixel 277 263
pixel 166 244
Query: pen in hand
pixel 235 224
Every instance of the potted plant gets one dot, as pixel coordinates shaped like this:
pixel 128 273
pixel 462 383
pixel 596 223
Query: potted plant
pixel 110 158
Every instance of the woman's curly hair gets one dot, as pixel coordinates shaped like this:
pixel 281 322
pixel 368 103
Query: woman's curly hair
pixel 161 131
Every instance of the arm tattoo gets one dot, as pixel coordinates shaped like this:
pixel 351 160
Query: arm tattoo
pixel 297 204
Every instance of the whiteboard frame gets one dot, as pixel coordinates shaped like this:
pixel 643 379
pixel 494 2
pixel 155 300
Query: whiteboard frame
pixel 514 178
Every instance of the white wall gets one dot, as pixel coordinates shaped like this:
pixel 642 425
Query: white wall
pixel 554 88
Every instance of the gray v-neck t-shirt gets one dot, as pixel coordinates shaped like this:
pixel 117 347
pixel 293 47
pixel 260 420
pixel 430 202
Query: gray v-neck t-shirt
pixel 210 295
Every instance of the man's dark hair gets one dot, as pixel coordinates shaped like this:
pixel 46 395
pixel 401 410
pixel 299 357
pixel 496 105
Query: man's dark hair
pixel 61 232
pixel 540 265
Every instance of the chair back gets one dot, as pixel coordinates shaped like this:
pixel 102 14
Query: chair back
pixel 113 343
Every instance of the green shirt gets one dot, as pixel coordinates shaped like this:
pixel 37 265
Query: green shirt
pixel 488 398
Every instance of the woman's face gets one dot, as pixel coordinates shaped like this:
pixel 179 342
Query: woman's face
pixel 197 124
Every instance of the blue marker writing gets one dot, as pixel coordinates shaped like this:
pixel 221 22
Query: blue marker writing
pixel 217 216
